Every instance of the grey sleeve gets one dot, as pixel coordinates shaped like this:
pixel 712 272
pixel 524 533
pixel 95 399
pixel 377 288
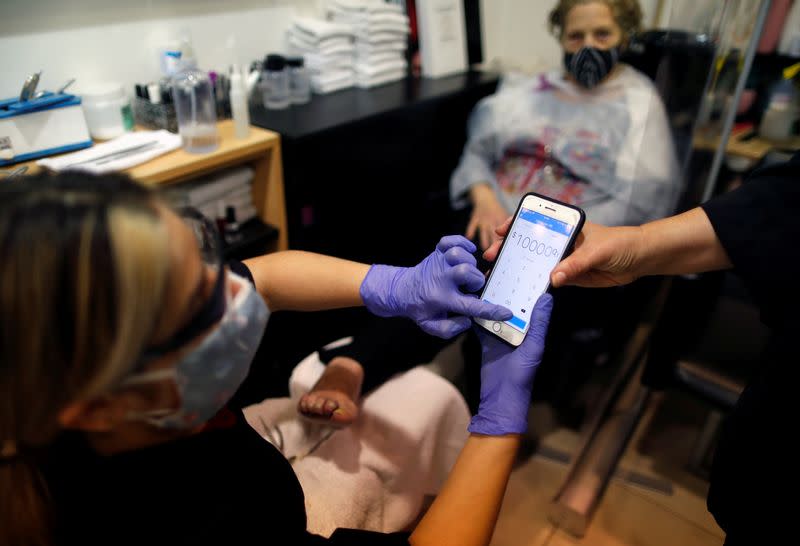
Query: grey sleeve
pixel 477 161
pixel 657 180
pixel 647 180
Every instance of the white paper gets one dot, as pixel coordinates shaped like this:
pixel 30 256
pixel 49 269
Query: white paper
pixel 442 37
pixel 134 148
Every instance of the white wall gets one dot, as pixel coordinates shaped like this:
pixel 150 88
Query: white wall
pixel 515 34
pixel 97 40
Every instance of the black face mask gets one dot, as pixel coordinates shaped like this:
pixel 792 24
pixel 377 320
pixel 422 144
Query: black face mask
pixel 589 66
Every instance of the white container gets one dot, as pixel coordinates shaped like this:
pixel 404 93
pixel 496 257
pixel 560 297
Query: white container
pixel 299 81
pixel 275 83
pixel 107 110
pixel 195 109
pixel 239 108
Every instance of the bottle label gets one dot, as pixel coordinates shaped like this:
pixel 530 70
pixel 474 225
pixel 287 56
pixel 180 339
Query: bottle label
pixel 127 117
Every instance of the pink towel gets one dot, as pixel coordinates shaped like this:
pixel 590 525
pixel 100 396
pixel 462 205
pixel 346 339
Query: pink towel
pixel 376 473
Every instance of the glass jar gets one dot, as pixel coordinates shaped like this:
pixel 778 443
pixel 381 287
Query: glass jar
pixel 275 83
pixel 196 109
pixel 299 81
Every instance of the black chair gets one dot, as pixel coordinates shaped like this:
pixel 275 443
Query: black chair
pixel 679 64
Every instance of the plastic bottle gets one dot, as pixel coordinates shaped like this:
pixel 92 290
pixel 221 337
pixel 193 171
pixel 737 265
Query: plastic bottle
pixel 789 43
pixel 778 119
pixel 239 109
pixel 299 81
pixel 275 83
pixel 107 110
pixel 233 232
pixel 195 107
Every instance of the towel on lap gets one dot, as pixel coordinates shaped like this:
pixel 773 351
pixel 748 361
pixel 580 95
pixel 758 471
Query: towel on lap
pixel 376 473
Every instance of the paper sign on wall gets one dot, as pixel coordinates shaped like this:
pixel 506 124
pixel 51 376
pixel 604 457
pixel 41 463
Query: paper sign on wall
pixel 442 37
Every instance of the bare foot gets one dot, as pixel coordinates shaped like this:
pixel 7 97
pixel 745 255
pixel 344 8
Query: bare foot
pixel 334 398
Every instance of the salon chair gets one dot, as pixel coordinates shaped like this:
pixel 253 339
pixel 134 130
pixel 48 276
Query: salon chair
pixel 679 64
pixel 707 342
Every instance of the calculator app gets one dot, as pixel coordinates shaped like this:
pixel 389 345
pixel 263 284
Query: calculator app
pixel 531 251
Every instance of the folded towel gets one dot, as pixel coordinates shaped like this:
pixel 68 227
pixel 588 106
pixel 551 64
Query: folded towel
pixel 394 31
pixel 328 82
pixel 334 46
pixel 118 154
pixel 377 69
pixel 378 58
pixel 376 473
pixel 326 89
pixel 366 81
pixel 362 6
pixel 361 18
pixel 331 76
pixel 303 40
pixel 320 29
pixel 365 49
pixel 316 62
pixel 381 36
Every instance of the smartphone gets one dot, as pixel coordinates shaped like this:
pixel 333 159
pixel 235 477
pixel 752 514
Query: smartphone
pixel 541 234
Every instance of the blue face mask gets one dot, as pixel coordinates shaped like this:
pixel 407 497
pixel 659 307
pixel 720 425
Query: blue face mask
pixel 209 375
pixel 590 65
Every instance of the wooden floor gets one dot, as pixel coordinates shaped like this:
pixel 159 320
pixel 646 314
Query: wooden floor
pixel 628 514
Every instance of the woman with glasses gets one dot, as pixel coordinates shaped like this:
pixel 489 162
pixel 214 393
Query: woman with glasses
pixel 123 337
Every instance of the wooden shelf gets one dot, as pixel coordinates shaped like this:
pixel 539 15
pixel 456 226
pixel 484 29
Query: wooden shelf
pixel 181 165
pixel 261 150
pixel 755 148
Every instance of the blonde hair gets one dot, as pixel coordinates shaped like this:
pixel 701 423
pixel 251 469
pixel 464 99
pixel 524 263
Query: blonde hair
pixel 83 269
pixel 627 14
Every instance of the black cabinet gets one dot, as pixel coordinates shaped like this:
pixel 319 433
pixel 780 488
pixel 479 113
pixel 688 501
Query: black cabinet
pixel 366 176
pixel 366 171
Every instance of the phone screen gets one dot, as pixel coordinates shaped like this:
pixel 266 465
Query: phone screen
pixel 532 249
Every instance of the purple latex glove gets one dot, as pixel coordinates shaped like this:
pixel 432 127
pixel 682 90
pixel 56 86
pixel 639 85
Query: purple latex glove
pixel 507 376
pixel 428 293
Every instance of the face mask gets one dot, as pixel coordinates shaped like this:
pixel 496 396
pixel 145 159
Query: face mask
pixel 589 66
pixel 208 376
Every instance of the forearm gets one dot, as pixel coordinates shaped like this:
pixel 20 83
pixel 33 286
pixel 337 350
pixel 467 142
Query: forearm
pixel 466 510
pixel 681 244
pixel 303 281
pixel 481 192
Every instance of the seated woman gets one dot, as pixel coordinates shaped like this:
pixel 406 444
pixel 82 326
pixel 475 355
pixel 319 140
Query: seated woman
pixel 124 337
pixel 594 135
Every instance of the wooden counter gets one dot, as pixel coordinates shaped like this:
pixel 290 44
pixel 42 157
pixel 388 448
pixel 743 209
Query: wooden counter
pixel 261 150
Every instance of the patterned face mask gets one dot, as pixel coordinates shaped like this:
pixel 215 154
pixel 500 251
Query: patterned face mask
pixel 209 375
pixel 589 65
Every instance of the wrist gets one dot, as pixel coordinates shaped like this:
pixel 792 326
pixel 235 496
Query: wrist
pixel 645 251
pixel 480 193
pixel 377 290
pixel 500 417
pixel 496 425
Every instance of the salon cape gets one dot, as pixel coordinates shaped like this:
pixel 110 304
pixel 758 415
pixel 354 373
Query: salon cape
pixel 614 141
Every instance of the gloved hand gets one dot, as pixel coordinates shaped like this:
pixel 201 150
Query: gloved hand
pixel 507 376
pixel 429 291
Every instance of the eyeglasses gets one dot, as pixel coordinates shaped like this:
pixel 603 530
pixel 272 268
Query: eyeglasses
pixel 209 244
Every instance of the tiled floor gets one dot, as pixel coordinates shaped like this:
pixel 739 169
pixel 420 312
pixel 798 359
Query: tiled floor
pixel 628 515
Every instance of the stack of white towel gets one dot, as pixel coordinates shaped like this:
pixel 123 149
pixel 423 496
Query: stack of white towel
pixel 381 38
pixel 328 50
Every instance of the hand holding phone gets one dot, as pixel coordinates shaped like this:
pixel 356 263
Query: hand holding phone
pixel 541 233
pixel 507 376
